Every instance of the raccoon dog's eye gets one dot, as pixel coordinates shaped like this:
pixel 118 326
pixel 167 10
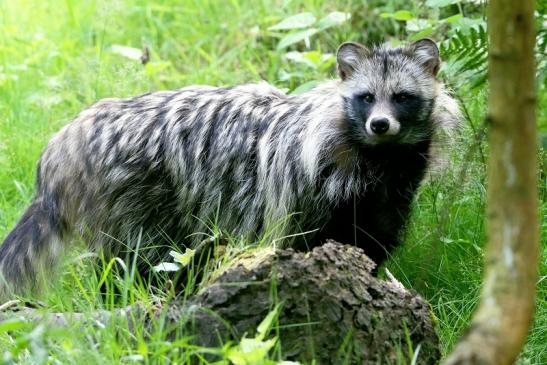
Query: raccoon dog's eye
pixel 368 98
pixel 402 97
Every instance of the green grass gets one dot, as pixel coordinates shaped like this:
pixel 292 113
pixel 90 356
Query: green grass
pixel 56 59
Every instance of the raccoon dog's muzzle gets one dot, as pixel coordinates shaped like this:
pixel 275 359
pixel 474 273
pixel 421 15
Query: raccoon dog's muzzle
pixel 382 123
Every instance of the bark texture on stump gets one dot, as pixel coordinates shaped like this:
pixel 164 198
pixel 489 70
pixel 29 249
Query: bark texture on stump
pixel 332 307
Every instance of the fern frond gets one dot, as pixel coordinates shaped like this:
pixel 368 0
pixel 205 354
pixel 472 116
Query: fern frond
pixel 466 55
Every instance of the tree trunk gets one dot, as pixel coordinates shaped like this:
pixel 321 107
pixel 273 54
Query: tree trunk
pixel 501 322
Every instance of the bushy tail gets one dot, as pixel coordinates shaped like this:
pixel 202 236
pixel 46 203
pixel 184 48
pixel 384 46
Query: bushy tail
pixel 28 250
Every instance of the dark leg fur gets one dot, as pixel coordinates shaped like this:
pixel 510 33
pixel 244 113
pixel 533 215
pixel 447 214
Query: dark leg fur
pixel 370 224
pixel 375 222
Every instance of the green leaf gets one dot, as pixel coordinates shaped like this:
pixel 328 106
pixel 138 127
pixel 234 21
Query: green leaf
pixel 440 3
pixel 315 57
pixel 183 258
pixel 332 19
pixel 421 34
pixel 153 68
pixel 250 345
pixel 452 19
pixel 250 351
pixel 403 15
pixel 298 21
pixel 283 75
pixel 399 15
pixel 416 25
pixel 267 322
pixel 465 23
pixel 13 325
pixel 301 58
pixel 296 37
pixel 305 87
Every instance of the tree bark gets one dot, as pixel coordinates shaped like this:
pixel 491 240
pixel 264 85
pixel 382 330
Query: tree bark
pixel 500 324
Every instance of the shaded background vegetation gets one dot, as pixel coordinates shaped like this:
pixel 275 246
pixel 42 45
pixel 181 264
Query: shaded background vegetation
pixel 57 57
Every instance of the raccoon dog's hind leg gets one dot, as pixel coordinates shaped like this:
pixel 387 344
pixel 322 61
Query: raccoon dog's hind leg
pixel 30 249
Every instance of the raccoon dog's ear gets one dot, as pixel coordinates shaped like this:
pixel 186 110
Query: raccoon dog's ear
pixel 349 56
pixel 427 54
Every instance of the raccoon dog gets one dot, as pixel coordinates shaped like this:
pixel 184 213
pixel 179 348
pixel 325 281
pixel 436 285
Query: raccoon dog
pixel 341 161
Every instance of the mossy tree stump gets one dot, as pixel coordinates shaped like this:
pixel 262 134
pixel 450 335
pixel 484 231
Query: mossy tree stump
pixel 332 308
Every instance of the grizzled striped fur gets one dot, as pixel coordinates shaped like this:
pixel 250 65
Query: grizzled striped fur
pixel 341 161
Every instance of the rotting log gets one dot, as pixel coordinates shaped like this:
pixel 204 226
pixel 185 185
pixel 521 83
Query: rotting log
pixel 332 309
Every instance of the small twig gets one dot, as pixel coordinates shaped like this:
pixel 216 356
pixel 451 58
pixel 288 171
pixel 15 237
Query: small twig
pixel 9 304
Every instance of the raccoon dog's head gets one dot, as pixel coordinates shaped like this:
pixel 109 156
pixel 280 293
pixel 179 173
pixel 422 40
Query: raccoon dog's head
pixel 389 93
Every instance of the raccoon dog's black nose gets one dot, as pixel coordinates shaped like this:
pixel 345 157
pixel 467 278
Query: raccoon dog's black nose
pixel 379 125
